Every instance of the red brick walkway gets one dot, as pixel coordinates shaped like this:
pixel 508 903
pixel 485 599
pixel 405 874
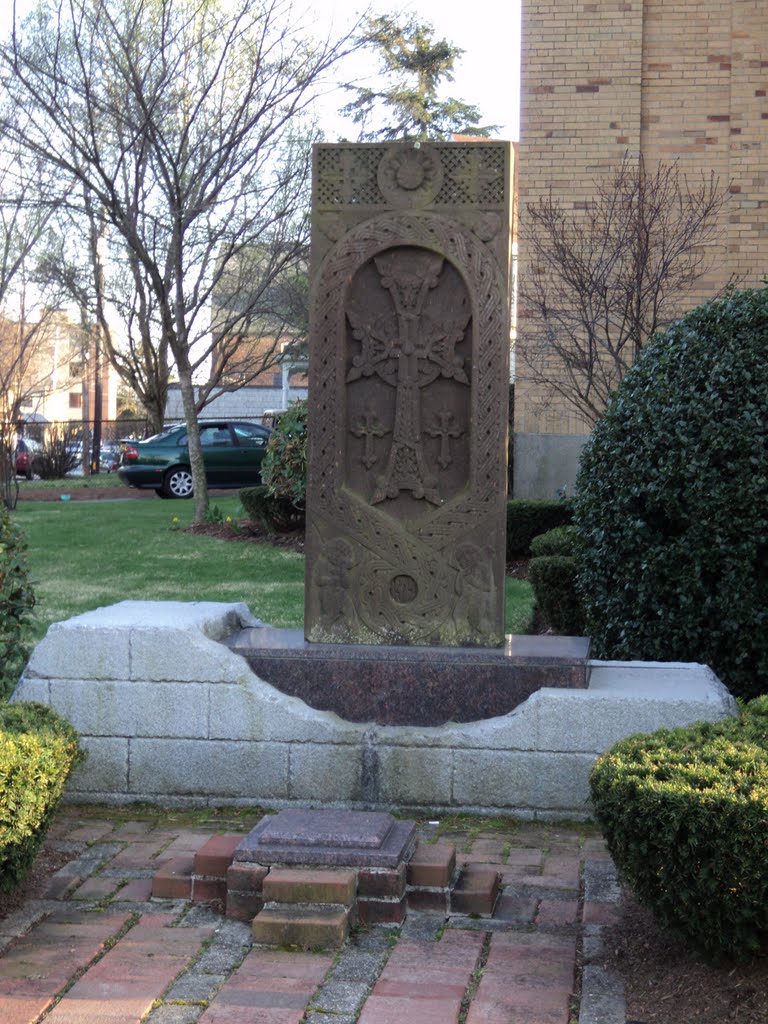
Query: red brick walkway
pixel 96 950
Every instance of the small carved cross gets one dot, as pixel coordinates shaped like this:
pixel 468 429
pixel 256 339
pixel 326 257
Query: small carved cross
pixel 368 426
pixel 445 427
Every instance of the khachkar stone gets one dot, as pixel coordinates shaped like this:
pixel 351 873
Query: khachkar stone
pixel 408 393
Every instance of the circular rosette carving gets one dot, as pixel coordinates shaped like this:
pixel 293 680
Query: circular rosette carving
pixel 402 603
pixel 409 176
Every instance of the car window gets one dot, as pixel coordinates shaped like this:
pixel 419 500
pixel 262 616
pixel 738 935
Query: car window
pixel 215 436
pixel 248 435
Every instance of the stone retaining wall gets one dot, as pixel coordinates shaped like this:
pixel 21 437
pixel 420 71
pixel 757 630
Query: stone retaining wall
pixel 169 715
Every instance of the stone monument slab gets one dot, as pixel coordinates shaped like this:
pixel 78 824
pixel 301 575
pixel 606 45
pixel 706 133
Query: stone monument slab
pixel 408 394
pixel 329 838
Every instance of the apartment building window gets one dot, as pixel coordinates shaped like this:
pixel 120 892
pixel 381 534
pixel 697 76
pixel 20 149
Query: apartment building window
pixel 75 400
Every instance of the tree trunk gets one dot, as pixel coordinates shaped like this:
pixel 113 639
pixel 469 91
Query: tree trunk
pixel 193 440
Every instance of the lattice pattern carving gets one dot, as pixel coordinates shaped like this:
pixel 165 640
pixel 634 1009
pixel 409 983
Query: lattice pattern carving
pixel 462 175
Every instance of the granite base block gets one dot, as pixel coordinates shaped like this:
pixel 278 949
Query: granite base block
pixel 412 685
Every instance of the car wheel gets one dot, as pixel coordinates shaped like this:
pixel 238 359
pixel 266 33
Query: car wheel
pixel 177 483
pixel 161 493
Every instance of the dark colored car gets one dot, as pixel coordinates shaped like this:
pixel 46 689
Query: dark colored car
pixel 233 452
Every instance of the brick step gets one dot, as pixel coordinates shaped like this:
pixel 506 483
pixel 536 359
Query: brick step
pixel 310 885
pixel 476 891
pixel 432 865
pixel 297 925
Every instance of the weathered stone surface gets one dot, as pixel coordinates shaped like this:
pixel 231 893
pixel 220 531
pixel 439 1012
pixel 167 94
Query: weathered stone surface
pixel 354 829
pixel 408 394
pixel 343 838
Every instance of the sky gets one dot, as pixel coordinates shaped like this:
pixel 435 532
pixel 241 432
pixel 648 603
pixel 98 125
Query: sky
pixel 487 75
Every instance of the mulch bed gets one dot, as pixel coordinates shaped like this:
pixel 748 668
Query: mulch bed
pixel 667 983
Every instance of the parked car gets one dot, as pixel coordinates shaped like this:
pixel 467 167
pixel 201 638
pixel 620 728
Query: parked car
pixel 25 453
pixel 232 451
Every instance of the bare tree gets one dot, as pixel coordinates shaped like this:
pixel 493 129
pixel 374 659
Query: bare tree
pixel 603 279
pixel 26 306
pixel 182 121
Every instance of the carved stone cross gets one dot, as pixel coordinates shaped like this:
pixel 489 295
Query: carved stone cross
pixel 408 350
pixel 445 427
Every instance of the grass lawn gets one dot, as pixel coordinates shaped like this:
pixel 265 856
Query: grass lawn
pixel 85 556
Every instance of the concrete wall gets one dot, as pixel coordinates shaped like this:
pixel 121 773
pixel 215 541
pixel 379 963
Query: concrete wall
pixel 169 715
pixel 546 463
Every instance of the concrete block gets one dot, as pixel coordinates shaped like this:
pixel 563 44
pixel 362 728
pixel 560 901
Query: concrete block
pixel 324 773
pixel 255 710
pixel 208 768
pixel 516 731
pixel 105 770
pixel 32 689
pixel 414 776
pixel 76 650
pixel 160 654
pixel 495 780
pixel 121 708
pixel 625 698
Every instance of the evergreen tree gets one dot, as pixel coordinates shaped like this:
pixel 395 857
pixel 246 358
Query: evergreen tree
pixel 413 64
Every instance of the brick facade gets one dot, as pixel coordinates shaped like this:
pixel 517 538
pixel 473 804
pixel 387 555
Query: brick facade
pixel 683 80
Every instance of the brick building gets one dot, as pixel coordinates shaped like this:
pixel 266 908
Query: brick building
pixel 671 80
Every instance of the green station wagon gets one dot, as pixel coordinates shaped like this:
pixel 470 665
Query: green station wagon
pixel 232 451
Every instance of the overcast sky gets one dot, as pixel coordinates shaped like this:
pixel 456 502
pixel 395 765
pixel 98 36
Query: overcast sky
pixel 489 33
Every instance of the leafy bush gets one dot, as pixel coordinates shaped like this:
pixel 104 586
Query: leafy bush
pixel 562 540
pixel 526 519
pixel 284 469
pixel 58 454
pixel 273 514
pixel 38 750
pixel 672 500
pixel 16 602
pixel 685 816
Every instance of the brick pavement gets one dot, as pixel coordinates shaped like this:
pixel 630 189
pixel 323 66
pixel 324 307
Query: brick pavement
pixel 96 949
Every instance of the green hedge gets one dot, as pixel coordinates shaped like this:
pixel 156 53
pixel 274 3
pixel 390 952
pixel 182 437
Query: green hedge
pixel 672 500
pixel 526 519
pixel 38 750
pixel 17 600
pixel 553 578
pixel 685 816
pixel 560 541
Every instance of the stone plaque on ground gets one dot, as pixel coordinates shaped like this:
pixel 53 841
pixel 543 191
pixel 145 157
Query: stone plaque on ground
pixel 408 394
pixel 330 838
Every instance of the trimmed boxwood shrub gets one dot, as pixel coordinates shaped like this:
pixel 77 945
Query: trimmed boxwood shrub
pixel 685 816
pixel 560 541
pixel 527 518
pixel 38 750
pixel 16 602
pixel 552 574
pixel 672 500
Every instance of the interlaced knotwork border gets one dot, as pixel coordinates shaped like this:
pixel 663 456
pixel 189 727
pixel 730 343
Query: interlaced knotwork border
pixel 418 546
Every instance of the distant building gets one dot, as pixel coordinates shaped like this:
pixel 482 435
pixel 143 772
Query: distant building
pixel 669 80
pixel 55 382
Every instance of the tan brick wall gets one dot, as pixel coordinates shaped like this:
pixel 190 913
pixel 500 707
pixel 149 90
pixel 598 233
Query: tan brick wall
pixel 672 80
